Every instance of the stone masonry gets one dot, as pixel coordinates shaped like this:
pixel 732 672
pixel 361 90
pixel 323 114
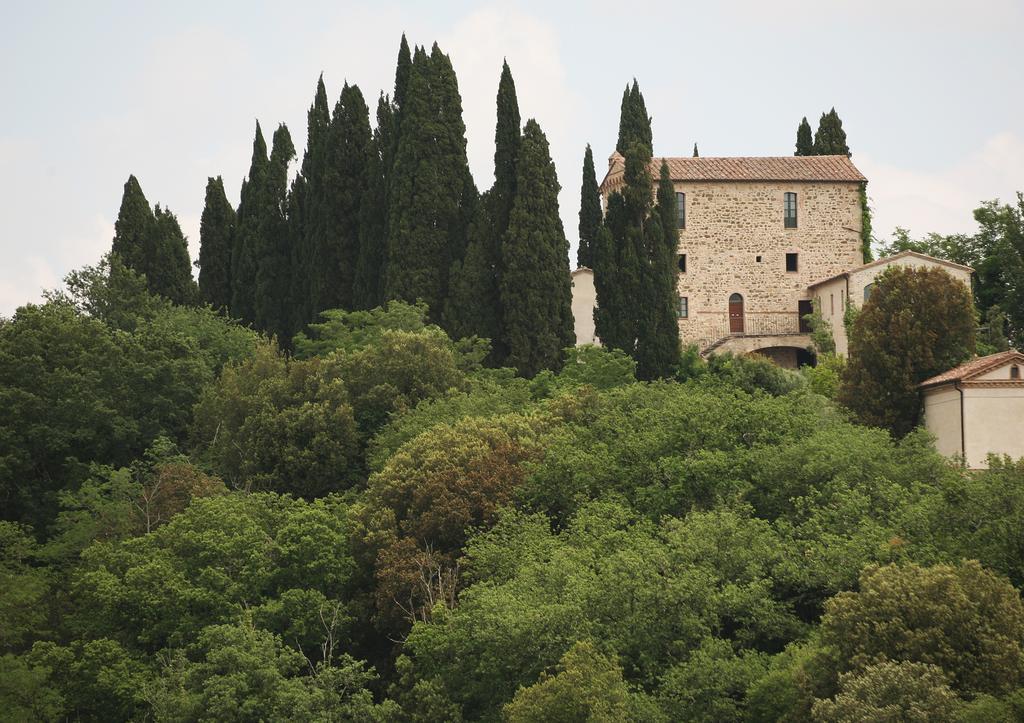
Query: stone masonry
pixel 735 240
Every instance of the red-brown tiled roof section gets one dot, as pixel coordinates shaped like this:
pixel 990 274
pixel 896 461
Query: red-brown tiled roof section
pixel 975 366
pixel 768 168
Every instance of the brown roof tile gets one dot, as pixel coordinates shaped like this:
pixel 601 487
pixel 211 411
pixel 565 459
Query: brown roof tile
pixel 974 367
pixel 768 168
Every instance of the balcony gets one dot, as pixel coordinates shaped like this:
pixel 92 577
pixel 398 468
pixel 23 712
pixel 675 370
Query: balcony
pixel 767 325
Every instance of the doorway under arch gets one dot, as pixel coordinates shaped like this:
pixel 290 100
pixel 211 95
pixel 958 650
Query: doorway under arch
pixel 736 324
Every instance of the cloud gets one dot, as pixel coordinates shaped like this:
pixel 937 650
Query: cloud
pixel 942 200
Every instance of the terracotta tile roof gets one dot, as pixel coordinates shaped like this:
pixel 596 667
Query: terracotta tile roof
pixel 767 168
pixel 974 367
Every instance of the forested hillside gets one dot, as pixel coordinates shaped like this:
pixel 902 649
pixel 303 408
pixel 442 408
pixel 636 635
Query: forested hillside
pixel 381 528
pixel 358 472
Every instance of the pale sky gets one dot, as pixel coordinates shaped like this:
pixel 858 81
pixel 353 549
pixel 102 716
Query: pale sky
pixel 929 91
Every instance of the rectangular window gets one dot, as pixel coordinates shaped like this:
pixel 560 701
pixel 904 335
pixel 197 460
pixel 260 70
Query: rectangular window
pixel 832 304
pixel 682 263
pixel 684 307
pixel 681 210
pixel 789 203
pixel 791 262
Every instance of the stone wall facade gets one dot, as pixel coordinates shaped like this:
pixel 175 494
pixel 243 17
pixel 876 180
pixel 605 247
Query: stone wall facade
pixel 735 242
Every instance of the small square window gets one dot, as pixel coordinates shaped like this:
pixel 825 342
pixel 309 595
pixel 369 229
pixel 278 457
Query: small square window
pixel 789 210
pixel 791 262
pixel 684 307
pixel 682 263
pixel 758 259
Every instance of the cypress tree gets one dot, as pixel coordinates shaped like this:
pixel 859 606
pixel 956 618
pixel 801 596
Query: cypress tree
pixel 695 153
pixel 304 207
pixel 368 288
pixel 535 286
pixel 658 349
pixel 273 252
pixel 169 270
pixel 506 151
pixel 403 71
pixel 473 306
pixel 243 260
pixel 431 194
pixel 830 139
pixel 216 236
pixel 134 220
pixel 634 123
pixel 804 143
pixel 336 252
pixel 590 212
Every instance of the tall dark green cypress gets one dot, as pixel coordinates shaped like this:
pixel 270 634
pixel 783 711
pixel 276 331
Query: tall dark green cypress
pixel 216 237
pixel 403 71
pixel 431 195
pixel 150 242
pixel 304 207
pixel 634 123
pixel 474 303
pixel 368 289
pixel 507 137
pixel 169 270
pixel 620 259
pixel 243 259
pixel 273 256
pixel 804 142
pixel 134 220
pixel 590 212
pixel 658 350
pixel 535 285
pixel 830 138
pixel 695 153
pixel 337 249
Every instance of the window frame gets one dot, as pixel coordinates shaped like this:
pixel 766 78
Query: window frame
pixel 681 263
pixel 680 210
pixel 795 257
pixel 789 203
pixel 683 307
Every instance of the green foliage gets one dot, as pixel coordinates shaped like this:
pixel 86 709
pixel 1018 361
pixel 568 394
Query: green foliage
pixel 272 252
pixel 247 238
pixel 902 691
pixel 534 284
pixel 75 391
pixel 216 237
pixel 634 123
pixel 830 138
pixel 865 225
pixel 591 215
pixel 804 142
pixel 368 287
pixel 586 687
pixel 825 377
pixel 753 372
pixel 712 684
pixel 24 588
pixel 150 242
pixel 273 424
pixel 902 337
pixel 222 556
pixel 821 331
pixel 431 192
pixel 335 251
pixel 348 331
pixel 963 619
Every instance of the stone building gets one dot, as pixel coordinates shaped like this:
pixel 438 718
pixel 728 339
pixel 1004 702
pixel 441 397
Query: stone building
pixel 854 286
pixel 977 408
pixel 754 235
